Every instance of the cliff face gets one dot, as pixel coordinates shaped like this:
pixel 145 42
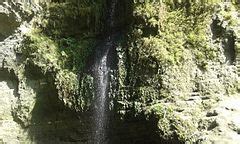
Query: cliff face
pixel 174 73
pixel 40 94
pixel 180 66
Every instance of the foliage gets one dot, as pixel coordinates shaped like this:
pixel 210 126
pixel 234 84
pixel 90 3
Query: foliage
pixel 170 56
pixel 164 37
pixel 71 19
pixel 175 31
pixel 53 55
pixel 172 124
pixel 42 51
pixel 87 93
pixel 67 85
pixel 77 52
pixel 53 47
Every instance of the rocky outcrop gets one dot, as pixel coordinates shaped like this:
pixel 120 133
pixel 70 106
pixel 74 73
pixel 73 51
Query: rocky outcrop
pixel 12 29
pixel 176 80
pixel 237 42
pixel 32 109
pixel 151 78
pixel 9 129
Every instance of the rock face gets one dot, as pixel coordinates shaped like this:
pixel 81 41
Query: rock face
pixel 152 79
pixel 9 128
pixel 9 24
pixel 11 32
pixel 223 121
pixel 31 111
pixel 151 101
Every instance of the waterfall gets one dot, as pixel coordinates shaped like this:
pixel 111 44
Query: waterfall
pixel 101 72
pixel 100 113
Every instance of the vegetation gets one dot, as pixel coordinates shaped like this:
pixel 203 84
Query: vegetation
pixel 170 53
pixel 57 49
pixel 172 124
pixel 176 30
pixel 78 19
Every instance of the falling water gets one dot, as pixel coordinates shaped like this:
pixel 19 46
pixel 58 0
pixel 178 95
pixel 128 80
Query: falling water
pixel 102 82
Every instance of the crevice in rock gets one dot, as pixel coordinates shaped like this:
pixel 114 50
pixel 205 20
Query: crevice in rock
pixel 8 25
pixel 216 28
pixel 226 37
pixel 229 48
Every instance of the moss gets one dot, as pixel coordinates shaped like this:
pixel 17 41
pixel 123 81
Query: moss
pixel 55 54
pixel 172 61
pixel 63 52
pixel 74 19
pixel 177 29
pixel 167 46
pixel 77 52
pixel 86 92
pixel 165 115
pixel 164 37
pixel 42 51
pixel 67 85
pixel 174 125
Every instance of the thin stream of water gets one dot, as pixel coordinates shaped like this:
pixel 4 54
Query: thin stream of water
pixel 102 83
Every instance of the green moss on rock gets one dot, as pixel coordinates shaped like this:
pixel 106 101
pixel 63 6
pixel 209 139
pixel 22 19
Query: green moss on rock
pixel 174 67
pixel 63 53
